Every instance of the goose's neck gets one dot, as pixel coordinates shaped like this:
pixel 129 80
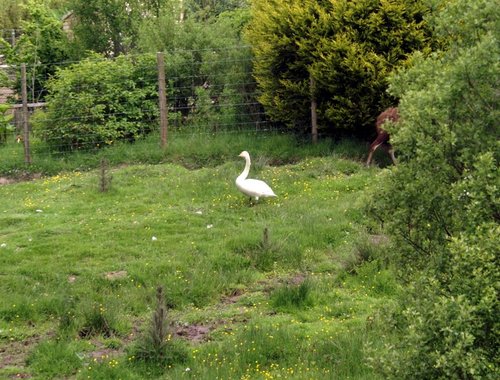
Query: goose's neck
pixel 244 173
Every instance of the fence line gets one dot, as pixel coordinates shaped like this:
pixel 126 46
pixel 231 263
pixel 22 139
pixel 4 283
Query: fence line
pixel 196 100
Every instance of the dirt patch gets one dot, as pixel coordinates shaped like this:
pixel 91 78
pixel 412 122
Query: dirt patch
pixel 102 354
pixel 5 181
pixel 19 178
pixel 233 297
pixel 378 239
pixel 115 275
pixel 298 279
pixel 276 161
pixel 71 279
pixel 193 333
pixel 13 354
pixel 21 376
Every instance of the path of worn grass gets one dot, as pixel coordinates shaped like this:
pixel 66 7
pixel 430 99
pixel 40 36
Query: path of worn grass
pixel 69 252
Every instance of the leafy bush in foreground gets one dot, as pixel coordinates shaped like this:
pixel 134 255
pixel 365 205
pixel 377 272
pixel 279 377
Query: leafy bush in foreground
pixel 441 204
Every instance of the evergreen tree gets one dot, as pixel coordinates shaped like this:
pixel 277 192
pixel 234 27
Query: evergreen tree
pixel 347 47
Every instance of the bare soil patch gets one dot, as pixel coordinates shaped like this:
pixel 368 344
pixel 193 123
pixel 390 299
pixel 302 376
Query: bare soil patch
pixel 13 354
pixel 193 333
pixel 19 178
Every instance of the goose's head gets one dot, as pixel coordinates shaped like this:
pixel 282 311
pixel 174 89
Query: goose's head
pixel 245 155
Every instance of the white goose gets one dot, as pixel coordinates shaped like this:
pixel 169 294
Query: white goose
pixel 252 187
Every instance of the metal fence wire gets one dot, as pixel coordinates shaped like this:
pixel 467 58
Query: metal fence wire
pixel 97 102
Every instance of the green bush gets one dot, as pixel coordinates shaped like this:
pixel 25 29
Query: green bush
pixel 348 47
pixel 96 102
pixel 441 203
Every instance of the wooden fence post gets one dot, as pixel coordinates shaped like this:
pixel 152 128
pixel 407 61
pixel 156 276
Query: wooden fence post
pixel 314 115
pixel 162 96
pixel 25 117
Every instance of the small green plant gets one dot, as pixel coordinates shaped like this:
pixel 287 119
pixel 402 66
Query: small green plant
pixel 157 347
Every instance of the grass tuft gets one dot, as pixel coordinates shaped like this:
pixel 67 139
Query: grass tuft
pixel 292 296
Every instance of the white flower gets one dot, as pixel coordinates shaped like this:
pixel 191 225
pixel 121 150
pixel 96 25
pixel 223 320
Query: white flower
pixel 154 238
pixel 199 212
pixel 38 210
pixel 210 225
pixel 188 369
pixel 3 245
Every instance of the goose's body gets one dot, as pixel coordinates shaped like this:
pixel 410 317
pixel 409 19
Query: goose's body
pixel 254 188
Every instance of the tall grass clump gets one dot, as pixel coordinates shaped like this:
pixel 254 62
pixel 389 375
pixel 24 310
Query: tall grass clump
pixel 292 296
pixel 99 320
pixel 53 359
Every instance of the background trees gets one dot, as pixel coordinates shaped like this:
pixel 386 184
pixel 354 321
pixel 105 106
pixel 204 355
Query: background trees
pixel 348 48
pixel 43 45
pixel 441 203
pixel 107 27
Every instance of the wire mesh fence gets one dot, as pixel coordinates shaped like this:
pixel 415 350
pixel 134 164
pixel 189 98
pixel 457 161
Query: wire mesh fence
pixel 94 103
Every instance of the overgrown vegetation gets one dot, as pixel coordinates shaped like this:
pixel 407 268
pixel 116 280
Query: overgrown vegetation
pixel 441 203
pixel 348 48
pixel 5 123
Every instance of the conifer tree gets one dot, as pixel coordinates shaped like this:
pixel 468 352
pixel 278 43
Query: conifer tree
pixel 347 47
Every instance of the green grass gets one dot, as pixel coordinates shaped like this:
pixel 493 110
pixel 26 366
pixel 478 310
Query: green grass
pixel 79 267
pixel 192 150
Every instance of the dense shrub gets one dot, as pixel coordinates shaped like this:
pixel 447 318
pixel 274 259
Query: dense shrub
pixel 348 48
pixel 441 203
pixel 97 102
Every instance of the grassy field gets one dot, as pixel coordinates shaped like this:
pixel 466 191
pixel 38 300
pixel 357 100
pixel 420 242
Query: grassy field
pixel 279 289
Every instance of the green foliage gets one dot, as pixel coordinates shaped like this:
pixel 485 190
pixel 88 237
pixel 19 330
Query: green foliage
pixel 96 103
pixel 207 9
pixel 11 12
pixel 5 122
pixel 208 66
pixel 42 46
pixel 98 320
pixel 106 27
pixel 348 47
pixel 441 203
